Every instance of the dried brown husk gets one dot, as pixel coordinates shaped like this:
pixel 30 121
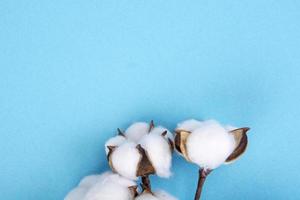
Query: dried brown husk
pixel 111 149
pixel 181 137
pixel 133 190
pixel 241 140
pixel 145 166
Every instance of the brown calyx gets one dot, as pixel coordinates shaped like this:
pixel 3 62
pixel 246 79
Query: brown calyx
pixel 111 149
pixel 145 167
pixel 133 190
pixel 241 140
pixel 180 142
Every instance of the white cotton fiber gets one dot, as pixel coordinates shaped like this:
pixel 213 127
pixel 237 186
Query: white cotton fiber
pixel 158 195
pixel 136 131
pixel 158 150
pixel 146 196
pixel 159 130
pixel 230 128
pixel 108 190
pixel 107 186
pixel 209 145
pixel 125 159
pixel 189 125
pixel 91 180
pixel 162 195
pixel 77 194
pixel 114 141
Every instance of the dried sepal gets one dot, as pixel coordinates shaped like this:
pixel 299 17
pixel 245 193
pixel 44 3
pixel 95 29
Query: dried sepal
pixel 120 132
pixel 151 126
pixel 110 152
pixel 241 140
pixel 180 143
pixel 164 133
pixel 145 166
pixel 171 144
pixel 133 190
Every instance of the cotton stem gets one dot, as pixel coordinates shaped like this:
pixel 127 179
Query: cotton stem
pixel 146 183
pixel 202 177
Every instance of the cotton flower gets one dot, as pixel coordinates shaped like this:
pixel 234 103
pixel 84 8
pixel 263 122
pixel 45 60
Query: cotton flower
pixel 136 131
pixel 108 186
pixel 209 145
pixel 158 195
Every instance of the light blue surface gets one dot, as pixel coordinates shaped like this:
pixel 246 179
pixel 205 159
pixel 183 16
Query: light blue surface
pixel 71 72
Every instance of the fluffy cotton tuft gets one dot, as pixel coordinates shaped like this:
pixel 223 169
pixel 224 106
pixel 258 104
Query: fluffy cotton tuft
pixel 107 186
pixel 114 141
pixel 160 155
pixel 125 160
pixel 162 195
pixel 209 145
pixel 189 125
pixel 146 196
pixel 159 130
pixel 158 195
pixel 136 131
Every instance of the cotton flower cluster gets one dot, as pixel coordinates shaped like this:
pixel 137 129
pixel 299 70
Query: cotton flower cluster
pixel 208 143
pixel 141 150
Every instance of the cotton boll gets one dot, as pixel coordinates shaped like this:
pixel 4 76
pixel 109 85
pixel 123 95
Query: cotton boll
pixel 209 145
pixel 159 130
pixel 136 131
pixel 159 153
pixel 114 141
pixel 162 195
pixel 125 159
pixel 189 125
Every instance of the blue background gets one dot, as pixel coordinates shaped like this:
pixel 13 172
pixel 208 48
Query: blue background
pixel 71 72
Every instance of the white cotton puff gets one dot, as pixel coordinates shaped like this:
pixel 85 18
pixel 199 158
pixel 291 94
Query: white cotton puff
pixel 158 195
pixel 114 141
pixel 91 180
pixel 77 194
pixel 189 125
pixel 85 184
pixel 109 189
pixel 162 195
pixel 136 131
pixel 107 186
pixel 158 150
pixel 125 159
pixel 146 196
pixel 160 129
pixel 230 128
pixel 210 145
